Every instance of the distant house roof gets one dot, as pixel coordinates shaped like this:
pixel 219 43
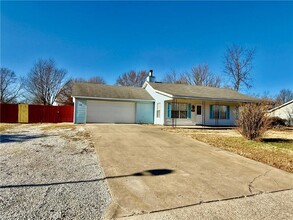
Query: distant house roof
pixel 281 106
pixel 99 91
pixel 201 92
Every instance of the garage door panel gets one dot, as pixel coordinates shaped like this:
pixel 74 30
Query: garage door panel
pixel 110 112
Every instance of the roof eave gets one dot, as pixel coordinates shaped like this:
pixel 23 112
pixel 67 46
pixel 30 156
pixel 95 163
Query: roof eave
pixel 281 106
pixel 112 99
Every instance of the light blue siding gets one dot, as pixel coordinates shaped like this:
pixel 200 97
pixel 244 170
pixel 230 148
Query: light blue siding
pixel 80 107
pixel 144 113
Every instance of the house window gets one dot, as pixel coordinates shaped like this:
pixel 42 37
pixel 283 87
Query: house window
pixel 158 110
pixel 219 112
pixel 179 110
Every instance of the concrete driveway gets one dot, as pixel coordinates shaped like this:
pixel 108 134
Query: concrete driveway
pixel 150 170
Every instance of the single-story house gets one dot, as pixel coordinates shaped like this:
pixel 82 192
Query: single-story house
pixel 158 103
pixel 284 111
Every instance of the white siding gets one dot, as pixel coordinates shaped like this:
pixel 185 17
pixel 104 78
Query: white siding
pixel 285 112
pixel 158 99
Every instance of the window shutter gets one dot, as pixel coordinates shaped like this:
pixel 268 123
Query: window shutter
pixel 168 110
pixel 189 111
pixel 228 112
pixel 211 111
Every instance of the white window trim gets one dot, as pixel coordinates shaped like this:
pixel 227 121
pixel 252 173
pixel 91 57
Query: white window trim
pixel 158 112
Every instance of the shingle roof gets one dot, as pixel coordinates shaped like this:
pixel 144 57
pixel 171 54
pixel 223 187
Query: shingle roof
pixel 201 92
pixel 112 92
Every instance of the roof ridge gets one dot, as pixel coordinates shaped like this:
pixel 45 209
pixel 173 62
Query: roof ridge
pixel 201 86
pixel 100 84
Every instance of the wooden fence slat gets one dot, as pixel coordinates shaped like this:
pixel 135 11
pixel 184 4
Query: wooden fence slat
pixel 23 113
pixel 8 113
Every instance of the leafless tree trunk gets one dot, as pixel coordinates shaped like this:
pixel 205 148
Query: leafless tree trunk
pixel 44 82
pixel 201 76
pixel 238 65
pixel 9 87
pixel 132 78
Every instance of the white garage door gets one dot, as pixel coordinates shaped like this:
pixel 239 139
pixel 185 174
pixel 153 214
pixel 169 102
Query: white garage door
pixel 110 112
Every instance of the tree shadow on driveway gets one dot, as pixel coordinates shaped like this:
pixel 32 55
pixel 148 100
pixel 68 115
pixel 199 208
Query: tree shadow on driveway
pixel 155 172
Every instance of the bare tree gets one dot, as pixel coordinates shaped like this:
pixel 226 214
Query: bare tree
pixel 96 80
pixel 132 78
pixel 253 121
pixel 238 65
pixel 9 87
pixel 201 76
pixel 266 99
pixel 284 96
pixel 64 96
pixel 173 77
pixel 44 82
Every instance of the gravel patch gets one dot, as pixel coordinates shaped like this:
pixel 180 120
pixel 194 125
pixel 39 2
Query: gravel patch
pixel 50 172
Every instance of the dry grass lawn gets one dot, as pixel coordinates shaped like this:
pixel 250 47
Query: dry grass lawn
pixel 276 148
pixel 54 126
pixel 43 126
pixel 7 126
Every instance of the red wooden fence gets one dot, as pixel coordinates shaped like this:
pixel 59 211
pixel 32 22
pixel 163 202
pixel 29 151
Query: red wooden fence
pixel 37 113
pixel 9 113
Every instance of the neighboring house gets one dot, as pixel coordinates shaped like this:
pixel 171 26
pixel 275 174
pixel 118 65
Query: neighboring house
pixel 284 111
pixel 158 103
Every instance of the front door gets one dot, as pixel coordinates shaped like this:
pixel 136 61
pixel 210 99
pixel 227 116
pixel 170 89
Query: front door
pixel 198 115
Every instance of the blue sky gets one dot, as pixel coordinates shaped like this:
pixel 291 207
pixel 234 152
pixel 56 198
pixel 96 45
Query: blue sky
pixel 110 38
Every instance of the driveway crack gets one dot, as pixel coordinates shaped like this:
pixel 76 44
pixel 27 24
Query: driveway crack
pixel 250 184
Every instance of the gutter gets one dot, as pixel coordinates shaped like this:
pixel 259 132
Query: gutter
pixel 214 99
